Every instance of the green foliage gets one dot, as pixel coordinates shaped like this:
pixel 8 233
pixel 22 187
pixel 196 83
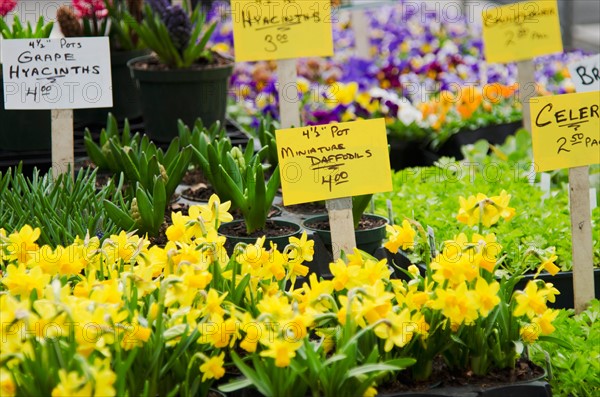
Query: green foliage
pixel 575 370
pixel 19 31
pixel 245 181
pixel 146 212
pixel 122 36
pixel 429 194
pixel 138 158
pixel 63 208
pixel 154 33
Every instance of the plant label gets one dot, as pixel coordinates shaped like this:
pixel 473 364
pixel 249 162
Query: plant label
pixel 281 29
pixel 65 73
pixel 324 162
pixel 586 74
pixel 566 130
pixel 521 31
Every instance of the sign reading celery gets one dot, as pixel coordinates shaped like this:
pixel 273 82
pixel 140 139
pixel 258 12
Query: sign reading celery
pixel 66 73
pixel 336 160
pixel 566 130
pixel 521 31
pixel 281 29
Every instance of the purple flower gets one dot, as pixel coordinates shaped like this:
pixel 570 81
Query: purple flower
pixel 179 26
pixel 159 6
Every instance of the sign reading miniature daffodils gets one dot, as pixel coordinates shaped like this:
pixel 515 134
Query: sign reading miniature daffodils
pixel 566 130
pixel 336 160
pixel 281 29
pixel 66 73
pixel 521 31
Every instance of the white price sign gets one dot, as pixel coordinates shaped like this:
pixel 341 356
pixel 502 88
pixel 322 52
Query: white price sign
pixel 65 73
pixel 586 74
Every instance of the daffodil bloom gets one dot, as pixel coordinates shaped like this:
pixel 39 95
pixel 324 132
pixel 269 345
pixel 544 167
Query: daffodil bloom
pixel 549 266
pixel 544 321
pixel 486 296
pixel 344 276
pixel 400 237
pixel 398 330
pixel 302 249
pixel 71 384
pixel 214 213
pixel 551 292
pixel 104 378
pixel 282 351
pixel 531 301
pixel 213 367
pixel 7 384
pixel 21 246
pixel 458 305
pixel 20 281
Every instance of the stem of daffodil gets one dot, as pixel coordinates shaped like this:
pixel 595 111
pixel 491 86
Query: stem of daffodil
pixel 189 369
pixel 480 225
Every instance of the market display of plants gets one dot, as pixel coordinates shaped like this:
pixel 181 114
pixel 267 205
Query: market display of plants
pixel 106 290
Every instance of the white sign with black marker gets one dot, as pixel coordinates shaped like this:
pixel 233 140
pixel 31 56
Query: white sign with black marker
pixel 586 74
pixel 65 73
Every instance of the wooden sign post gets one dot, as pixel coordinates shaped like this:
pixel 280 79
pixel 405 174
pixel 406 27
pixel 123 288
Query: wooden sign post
pixel 284 31
pixel 334 162
pixel 60 75
pixel 520 32
pixel 566 134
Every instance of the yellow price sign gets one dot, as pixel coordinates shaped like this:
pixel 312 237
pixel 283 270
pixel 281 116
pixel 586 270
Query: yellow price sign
pixel 281 29
pixel 521 31
pixel 566 130
pixel 335 160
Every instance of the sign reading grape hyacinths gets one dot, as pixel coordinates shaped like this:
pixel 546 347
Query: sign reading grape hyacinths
pixel 518 33
pixel 284 30
pixel 60 75
pixel 566 134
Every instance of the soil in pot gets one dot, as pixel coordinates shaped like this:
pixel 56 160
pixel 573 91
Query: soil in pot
pixel 443 378
pixel 200 192
pixel 369 234
pixel 193 177
pixel 276 231
pixel 309 209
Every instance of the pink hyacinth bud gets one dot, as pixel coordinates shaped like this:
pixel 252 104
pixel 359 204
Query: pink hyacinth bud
pixel 87 8
pixel 7 6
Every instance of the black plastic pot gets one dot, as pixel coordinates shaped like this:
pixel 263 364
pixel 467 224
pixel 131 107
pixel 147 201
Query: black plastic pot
pixel 126 96
pixel 23 130
pixel 186 94
pixel 407 154
pixel 281 241
pixel 366 240
pixel 527 389
pixel 494 134
pixel 563 281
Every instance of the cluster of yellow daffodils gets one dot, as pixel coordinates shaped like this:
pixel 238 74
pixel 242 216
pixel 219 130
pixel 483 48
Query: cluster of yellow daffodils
pixel 119 316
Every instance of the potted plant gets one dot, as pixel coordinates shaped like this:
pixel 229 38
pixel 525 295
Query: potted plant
pixel 369 228
pixel 182 79
pixel 33 126
pixel 243 178
pixel 84 18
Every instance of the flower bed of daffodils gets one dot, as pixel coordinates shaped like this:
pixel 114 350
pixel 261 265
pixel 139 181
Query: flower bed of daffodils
pixel 122 317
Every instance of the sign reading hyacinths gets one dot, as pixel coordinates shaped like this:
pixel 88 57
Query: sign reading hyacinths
pixel 281 29
pixel 66 73
pixel 566 130
pixel 336 160
pixel 521 31
pixel 586 74
pixel 60 75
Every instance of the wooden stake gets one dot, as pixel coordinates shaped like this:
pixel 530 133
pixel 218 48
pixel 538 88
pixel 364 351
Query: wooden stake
pixel 342 226
pixel 581 237
pixel 62 141
pixel 362 46
pixel 526 80
pixel 289 103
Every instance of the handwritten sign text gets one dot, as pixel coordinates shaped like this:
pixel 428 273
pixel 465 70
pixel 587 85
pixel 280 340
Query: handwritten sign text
pixel 566 130
pixel 586 74
pixel 281 29
pixel 335 160
pixel 66 73
pixel 521 31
